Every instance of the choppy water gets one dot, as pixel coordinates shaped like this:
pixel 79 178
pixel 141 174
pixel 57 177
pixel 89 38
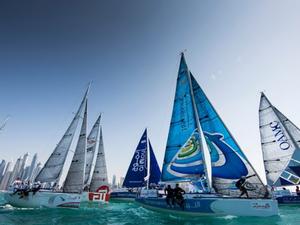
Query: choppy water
pixel 126 214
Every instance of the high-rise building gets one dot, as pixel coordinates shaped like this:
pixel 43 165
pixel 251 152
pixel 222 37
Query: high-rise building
pixel 23 165
pixel 2 167
pixel 32 166
pixel 121 181
pixel 6 177
pixel 36 171
pixel 16 170
pixel 114 181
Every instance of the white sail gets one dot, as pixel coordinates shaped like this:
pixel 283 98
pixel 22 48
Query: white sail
pixel 91 150
pixel 99 177
pixel 52 169
pixel 279 141
pixel 75 178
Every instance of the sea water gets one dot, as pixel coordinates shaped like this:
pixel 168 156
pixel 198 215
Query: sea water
pixel 130 213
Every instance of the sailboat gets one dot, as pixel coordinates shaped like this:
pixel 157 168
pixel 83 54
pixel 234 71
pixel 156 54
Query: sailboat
pixel 200 145
pixel 139 175
pixel 280 140
pixel 73 193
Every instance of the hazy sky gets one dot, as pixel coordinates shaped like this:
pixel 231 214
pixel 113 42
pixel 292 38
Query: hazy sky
pixel 50 50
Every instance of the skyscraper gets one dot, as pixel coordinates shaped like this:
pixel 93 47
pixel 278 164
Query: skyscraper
pixel 32 166
pixel 2 167
pixel 6 177
pixel 23 164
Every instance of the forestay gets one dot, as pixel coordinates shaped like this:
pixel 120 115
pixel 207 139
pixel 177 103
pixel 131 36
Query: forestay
pixel 74 182
pixel 137 170
pixel 92 141
pixel 52 169
pixel 279 141
pixel 99 177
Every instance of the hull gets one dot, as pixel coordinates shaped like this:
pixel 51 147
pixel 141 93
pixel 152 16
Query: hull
pixel 123 196
pixel 214 206
pixel 288 200
pixel 49 199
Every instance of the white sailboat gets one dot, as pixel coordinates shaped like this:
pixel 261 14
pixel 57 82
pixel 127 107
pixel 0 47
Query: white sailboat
pixel 72 195
pixel 280 142
pixel 199 144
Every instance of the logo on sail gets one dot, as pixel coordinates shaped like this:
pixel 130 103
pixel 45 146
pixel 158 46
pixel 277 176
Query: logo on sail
pixel 279 135
pixel 140 161
pixel 188 160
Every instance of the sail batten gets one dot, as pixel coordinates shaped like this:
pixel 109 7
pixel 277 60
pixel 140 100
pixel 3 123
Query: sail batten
pixel 74 182
pixel 52 170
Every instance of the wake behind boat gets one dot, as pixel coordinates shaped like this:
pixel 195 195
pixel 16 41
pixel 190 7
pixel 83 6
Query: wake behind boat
pixel 143 172
pixel 200 145
pixel 85 185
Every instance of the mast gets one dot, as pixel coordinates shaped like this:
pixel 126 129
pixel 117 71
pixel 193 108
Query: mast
pixel 205 152
pixel 148 163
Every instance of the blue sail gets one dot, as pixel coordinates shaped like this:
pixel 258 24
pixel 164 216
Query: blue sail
pixel 182 160
pixel 230 163
pixel 154 168
pixel 137 170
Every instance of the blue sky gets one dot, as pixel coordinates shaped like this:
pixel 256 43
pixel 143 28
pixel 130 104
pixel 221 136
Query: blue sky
pixel 50 50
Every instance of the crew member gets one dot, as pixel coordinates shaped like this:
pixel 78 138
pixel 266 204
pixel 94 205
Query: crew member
pixel 169 192
pixel 178 194
pixel 240 184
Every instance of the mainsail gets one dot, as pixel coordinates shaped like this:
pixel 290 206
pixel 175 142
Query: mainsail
pixel 137 170
pixel 280 145
pixel 91 150
pixel 52 169
pixel 183 160
pixel 154 168
pixel 99 177
pixel 75 178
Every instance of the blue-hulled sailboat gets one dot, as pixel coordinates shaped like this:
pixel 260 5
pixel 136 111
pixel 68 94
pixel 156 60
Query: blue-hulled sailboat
pixel 200 145
pixel 280 140
pixel 138 175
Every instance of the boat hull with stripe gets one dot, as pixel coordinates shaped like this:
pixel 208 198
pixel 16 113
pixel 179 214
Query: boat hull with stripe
pixel 50 199
pixel 198 206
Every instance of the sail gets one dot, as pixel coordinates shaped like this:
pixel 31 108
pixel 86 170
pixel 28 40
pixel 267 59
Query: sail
pixel 99 177
pixel 183 158
pixel 279 141
pixel 91 150
pixel 154 168
pixel 137 170
pixel 74 182
pixel 227 159
pixel 52 169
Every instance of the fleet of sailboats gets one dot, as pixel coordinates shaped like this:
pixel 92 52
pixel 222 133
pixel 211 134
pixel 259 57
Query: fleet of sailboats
pixel 78 189
pixel 199 148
